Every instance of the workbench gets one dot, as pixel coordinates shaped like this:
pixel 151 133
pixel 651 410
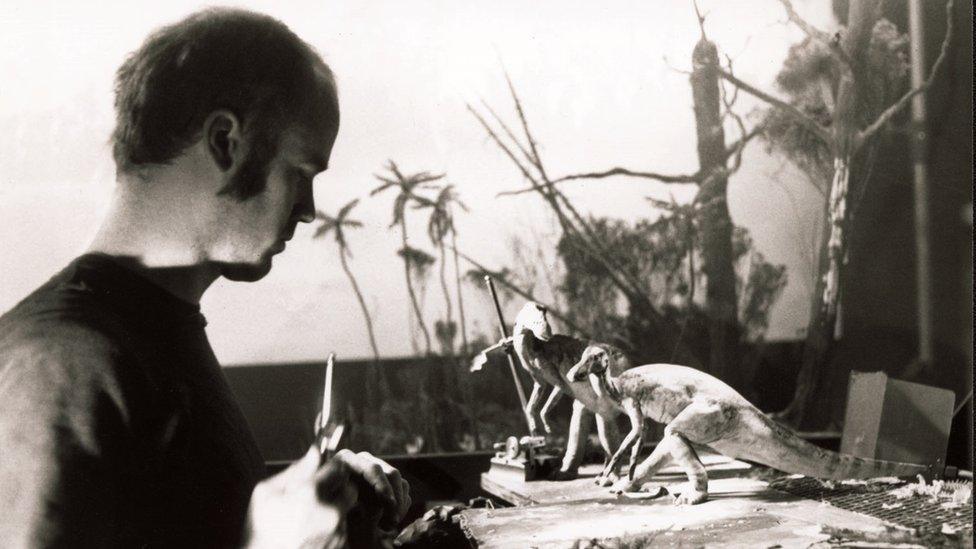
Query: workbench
pixel 740 512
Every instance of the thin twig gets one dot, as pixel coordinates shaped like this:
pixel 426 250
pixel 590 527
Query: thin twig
pixel 508 152
pixel 889 113
pixel 583 233
pixel 556 313
pixel 813 32
pixel 728 102
pixel 797 114
pixel 667 63
pixel 679 179
pixel 525 126
pixel 663 178
pixel 587 235
pixel 509 133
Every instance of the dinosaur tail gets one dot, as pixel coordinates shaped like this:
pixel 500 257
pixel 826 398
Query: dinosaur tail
pixel 772 444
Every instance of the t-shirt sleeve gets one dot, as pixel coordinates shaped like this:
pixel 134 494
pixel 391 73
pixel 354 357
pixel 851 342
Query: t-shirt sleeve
pixel 63 440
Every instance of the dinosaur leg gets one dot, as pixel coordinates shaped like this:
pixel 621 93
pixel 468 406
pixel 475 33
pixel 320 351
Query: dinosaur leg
pixel 574 442
pixel 532 407
pixel 646 469
pixel 554 397
pixel 606 428
pixel 632 437
pixel 702 422
pixel 685 456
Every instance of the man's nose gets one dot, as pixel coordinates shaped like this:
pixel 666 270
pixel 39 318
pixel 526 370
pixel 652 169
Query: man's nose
pixel 305 204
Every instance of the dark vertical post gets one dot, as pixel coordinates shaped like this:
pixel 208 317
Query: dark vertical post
pixel 511 360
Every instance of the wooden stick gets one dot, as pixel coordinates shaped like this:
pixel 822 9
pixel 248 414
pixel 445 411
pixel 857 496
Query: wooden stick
pixel 511 360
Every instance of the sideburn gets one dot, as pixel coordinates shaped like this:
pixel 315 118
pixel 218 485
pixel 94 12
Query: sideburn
pixel 252 177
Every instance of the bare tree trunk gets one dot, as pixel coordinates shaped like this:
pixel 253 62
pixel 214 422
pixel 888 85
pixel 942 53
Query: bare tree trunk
pixel 448 342
pixel 410 290
pixel 819 343
pixel 721 305
pixel 377 389
pixel 460 298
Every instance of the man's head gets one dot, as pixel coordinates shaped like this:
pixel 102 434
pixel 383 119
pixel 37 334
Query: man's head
pixel 245 113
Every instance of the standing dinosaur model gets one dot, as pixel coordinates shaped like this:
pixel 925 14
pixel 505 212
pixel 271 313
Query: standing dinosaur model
pixel 547 357
pixel 697 408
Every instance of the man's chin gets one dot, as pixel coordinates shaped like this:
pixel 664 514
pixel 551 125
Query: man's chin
pixel 240 272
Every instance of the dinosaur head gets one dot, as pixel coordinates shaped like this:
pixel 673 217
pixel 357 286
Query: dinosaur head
pixel 595 360
pixel 532 318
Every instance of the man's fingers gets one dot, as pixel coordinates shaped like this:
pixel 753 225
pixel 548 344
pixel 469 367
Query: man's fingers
pixel 384 480
pixel 333 485
pixel 406 501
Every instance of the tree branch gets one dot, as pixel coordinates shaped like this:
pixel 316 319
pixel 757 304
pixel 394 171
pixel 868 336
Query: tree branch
pixel 885 117
pixel 508 152
pixel 797 114
pixel 509 133
pixel 740 143
pixel 629 284
pixel 813 32
pixel 678 179
pixel 671 179
pixel 587 239
pixel 519 291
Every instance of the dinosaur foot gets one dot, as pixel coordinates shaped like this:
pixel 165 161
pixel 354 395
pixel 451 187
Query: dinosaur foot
pixel 624 485
pixel 606 480
pixel 567 474
pixel 690 496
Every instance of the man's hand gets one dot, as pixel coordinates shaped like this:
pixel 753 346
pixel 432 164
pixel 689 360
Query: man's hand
pixel 380 486
pixel 303 506
pixel 349 500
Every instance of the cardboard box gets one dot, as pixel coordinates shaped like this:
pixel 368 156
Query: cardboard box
pixel 896 420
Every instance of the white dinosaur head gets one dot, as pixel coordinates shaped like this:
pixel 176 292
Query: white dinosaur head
pixel 532 318
pixel 595 360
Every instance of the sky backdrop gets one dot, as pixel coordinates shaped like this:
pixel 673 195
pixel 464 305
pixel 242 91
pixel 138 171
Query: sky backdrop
pixel 602 83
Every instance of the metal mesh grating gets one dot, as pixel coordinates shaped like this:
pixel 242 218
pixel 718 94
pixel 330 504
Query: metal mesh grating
pixel 913 512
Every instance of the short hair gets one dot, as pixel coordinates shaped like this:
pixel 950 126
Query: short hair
pixel 248 63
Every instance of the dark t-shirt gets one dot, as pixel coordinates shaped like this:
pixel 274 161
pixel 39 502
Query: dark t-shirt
pixel 117 427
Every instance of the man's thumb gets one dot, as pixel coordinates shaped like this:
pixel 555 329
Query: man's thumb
pixel 307 465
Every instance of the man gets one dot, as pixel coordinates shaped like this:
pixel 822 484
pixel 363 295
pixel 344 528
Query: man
pixel 117 427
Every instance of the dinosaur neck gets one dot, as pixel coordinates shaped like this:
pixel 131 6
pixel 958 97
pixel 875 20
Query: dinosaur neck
pixel 610 386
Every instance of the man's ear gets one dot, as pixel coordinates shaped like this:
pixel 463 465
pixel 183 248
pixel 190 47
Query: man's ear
pixel 223 135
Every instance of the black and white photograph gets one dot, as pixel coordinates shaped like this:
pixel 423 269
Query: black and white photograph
pixel 378 274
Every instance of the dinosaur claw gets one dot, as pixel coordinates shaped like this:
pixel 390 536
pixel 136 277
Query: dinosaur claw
pixel 690 497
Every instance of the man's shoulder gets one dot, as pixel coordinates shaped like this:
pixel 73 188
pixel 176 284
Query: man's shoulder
pixel 58 338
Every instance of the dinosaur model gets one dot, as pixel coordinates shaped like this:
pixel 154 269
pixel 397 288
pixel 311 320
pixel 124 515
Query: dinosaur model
pixel 547 357
pixel 697 408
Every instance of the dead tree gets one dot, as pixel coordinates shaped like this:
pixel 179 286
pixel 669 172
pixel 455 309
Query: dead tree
pixel 716 162
pixel 526 158
pixel 847 136
pixel 713 216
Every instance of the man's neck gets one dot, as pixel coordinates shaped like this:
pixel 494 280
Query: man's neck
pixel 149 241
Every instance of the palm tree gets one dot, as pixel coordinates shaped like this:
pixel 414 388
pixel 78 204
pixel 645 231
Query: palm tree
pixel 408 187
pixel 337 225
pixel 439 226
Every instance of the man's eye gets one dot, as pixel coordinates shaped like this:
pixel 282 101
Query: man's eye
pixel 302 178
